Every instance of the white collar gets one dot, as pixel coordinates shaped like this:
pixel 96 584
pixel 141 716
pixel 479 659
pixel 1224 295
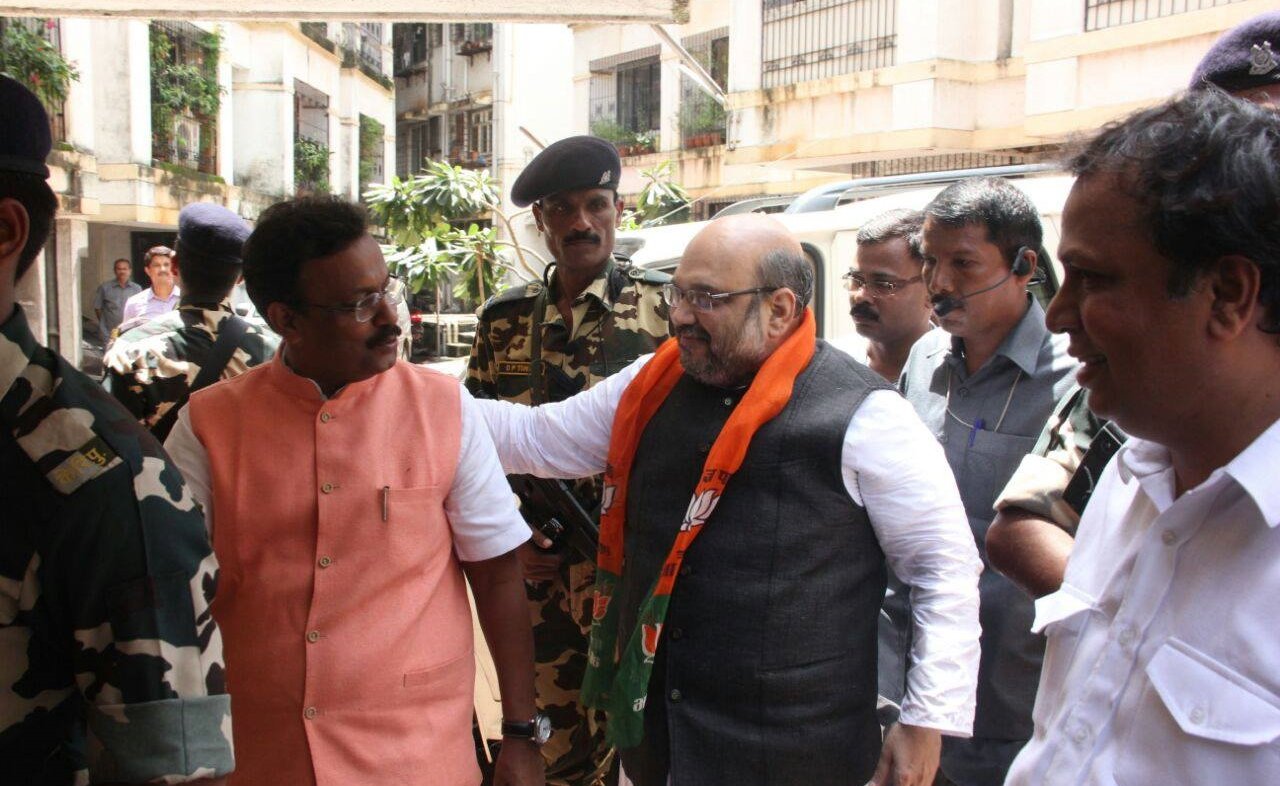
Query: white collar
pixel 1253 469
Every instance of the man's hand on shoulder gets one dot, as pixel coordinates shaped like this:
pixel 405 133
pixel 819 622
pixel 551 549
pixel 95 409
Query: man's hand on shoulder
pixel 519 764
pixel 909 757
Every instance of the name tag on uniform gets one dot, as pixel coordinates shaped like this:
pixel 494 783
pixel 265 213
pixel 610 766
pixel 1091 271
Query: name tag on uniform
pixel 508 367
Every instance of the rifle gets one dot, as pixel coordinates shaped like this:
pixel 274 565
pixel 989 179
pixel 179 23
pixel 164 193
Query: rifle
pixel 549 507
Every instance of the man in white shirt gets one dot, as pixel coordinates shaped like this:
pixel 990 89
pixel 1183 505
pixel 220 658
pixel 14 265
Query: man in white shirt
pixel 1160 665
pixel 159 298
pixel 763 665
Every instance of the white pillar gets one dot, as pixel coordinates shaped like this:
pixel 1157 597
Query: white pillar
pixel 73 247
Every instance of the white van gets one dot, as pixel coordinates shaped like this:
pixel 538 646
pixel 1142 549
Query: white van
pixel 828 239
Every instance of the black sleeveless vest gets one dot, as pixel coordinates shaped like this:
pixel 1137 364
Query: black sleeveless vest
pixel 766 671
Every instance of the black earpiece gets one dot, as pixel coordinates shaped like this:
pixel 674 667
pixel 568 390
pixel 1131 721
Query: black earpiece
pixel 1021 263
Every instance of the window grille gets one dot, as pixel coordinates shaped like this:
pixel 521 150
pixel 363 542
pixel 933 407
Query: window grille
pixel 702 118
pixel 364 40
pixel 625 99
pixel 481 133
pixel 816 39
pixel 191 141
pixel 1101 14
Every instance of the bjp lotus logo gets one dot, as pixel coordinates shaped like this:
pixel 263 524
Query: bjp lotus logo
pixel 649 640
pixel 700 509
pixel 606 497
pixel 599 606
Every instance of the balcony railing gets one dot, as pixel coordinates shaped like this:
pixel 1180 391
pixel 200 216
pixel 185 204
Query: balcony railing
pixel 802 41
pixel 1101 14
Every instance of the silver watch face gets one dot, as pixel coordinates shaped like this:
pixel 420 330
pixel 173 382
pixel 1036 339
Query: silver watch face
pixel 541 729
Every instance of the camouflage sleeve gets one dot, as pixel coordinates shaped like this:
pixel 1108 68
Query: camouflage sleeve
pixel 482 375
pixel 145 393
pixel 136 577
pixel 1042 477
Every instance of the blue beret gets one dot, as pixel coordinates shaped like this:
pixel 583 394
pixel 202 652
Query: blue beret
pixel 212 232
pixel 1246 56
pixel 575 162
pixel 25 140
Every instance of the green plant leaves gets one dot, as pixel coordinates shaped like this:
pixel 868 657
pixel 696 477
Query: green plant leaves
pixel 31 59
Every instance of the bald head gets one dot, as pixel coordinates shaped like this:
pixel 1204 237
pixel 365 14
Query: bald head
pixel 755 249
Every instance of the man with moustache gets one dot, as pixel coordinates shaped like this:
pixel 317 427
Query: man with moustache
pixel 592 316
pixel 1038 512
pixel 984 384
pixel 1160 665
pixel 888 302
pixel 110 297
pixel 748 655
pixel 159 298
pixel 347 495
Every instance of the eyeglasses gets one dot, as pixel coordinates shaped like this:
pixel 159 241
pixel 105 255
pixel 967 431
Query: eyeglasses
pixel 364 308
pixel 880 287
pixel 702 300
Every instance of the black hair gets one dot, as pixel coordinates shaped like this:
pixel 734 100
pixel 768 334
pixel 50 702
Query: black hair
pixel 35 196
pixel 784 268
pixel 1009 215
pixel 902 223
pixel 1204 169
pixel 204 278
pixel 288 235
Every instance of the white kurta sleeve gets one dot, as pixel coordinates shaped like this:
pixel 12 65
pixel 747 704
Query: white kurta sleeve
pixel 567 439
pixel 897 470
pixel 480 505
pixel 193 462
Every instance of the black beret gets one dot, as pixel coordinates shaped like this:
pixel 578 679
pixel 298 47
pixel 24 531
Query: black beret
pixel 1246 56
pixel 575 162
pixel 25 140
pixel 212 232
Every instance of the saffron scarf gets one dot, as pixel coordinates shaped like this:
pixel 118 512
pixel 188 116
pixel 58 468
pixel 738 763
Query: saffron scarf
pixel 617 680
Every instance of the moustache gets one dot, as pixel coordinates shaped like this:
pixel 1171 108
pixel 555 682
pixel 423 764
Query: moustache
pixel 864 311
pixel 384 334
pixel 692 331
pixel 590 237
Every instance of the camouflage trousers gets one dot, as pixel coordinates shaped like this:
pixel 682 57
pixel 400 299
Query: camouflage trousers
pixel 576 754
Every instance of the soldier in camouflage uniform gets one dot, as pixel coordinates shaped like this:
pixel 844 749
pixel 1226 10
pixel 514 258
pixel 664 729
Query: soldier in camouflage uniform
pixel 154 366
pixel 110 665
pixel 545 342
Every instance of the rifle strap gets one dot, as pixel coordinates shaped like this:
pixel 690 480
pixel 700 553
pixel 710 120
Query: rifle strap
pixel 230 332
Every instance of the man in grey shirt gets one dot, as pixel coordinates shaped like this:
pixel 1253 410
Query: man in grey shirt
pixel 108 301
pixel 985 383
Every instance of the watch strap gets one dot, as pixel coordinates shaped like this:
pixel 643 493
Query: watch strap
pixel 526 730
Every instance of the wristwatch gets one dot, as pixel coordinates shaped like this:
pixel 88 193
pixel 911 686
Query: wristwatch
pixel 537 731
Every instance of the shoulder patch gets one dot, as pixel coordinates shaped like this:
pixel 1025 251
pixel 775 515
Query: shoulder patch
pixel 68 432
pixel 648 276
pixel 512 295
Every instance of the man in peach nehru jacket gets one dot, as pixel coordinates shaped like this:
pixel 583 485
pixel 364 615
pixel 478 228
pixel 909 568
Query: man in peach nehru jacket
pixel 347 496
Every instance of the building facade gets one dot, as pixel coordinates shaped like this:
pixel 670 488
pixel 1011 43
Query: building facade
pixel 165 113
pixel 825 90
